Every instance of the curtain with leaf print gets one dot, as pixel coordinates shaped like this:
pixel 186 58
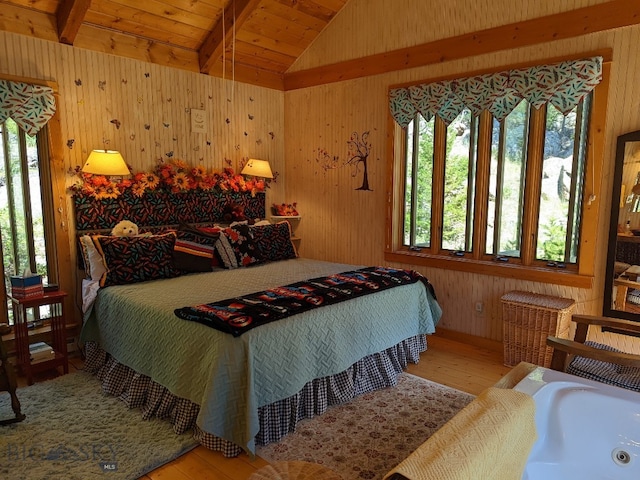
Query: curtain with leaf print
pixel 562 84
pixel 30 106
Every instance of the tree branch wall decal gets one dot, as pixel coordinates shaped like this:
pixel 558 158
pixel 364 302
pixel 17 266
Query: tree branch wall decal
pixel 358 152
pixel 359 149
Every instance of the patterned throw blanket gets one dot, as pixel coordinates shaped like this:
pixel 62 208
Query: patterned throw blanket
pixel 240 314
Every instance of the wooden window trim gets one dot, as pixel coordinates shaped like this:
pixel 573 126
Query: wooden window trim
pixel 528 269
pixel 483 267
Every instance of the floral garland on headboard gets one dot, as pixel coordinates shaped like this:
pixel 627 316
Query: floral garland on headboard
pixel 173 175
pixel 171 194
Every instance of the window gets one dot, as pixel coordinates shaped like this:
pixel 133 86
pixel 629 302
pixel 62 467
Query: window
pixel 509 140
pixel 492 189
pixel 459 181
pixel 27 231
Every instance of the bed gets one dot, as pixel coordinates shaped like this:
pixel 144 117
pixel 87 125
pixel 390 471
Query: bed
pixel 239 392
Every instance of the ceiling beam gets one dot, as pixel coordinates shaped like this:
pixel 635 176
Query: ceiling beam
pixel 573 23
pixel 237 11
pixel 248 74
pixel 69 16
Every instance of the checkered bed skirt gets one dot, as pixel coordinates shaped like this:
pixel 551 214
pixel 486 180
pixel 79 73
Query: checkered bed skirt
pixel 605 372
pixel 373 372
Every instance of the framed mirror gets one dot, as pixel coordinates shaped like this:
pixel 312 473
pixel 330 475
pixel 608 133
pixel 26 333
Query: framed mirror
pixel 622 282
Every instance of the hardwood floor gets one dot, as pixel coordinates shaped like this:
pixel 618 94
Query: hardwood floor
pixel 458 365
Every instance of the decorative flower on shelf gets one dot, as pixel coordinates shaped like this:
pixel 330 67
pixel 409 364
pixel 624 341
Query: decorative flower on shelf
pixel 173 175
pixel 285 209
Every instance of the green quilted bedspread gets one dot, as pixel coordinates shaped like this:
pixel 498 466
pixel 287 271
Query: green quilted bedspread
pixel 231 377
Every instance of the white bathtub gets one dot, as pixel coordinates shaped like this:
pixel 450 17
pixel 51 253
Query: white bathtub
pixel 586 430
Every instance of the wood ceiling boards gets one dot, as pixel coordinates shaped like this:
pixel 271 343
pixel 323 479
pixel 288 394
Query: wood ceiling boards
pixel 257 41
pixel 253 41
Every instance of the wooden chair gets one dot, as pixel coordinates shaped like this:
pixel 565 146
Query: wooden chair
pixel 622 290
pixel 8 384
pixel 594 360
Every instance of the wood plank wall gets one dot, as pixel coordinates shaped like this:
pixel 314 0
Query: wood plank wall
pixel 152 106
pixel 369 27
pixel 341 223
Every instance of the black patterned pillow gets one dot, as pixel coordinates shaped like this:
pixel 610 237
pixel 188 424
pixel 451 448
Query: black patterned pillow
pixel 136 259
pixel 274 241
pixel 236 247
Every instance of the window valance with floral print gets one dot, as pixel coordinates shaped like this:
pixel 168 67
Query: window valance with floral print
pixel 562 84
pixel 30 106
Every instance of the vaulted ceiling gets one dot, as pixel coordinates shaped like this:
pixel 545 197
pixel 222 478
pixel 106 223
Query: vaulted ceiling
pixel 255 41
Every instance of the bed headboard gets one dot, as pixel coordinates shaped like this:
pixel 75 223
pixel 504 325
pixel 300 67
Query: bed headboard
pixel 162 208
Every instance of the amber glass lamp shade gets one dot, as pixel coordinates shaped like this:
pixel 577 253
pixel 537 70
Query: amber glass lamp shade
pixel 106 162
pixel 257 168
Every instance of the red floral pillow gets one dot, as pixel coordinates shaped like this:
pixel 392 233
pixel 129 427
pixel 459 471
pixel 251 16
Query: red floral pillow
pixel 236 247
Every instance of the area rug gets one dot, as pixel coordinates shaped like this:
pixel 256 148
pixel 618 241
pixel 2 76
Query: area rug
pixel 73 431
pixel 367 437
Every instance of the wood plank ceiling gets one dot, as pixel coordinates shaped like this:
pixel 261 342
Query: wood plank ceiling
pixel 252 41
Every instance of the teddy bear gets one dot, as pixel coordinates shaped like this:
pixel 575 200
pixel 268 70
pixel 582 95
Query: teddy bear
pixel 125 228
pixel 234 212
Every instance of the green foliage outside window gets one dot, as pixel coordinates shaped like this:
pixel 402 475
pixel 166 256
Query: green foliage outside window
pixel 456 185
pixel 425 182
pixel 559 144
pixel 18 216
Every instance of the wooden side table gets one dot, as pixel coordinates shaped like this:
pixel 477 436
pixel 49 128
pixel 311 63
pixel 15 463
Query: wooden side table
pixel 58 333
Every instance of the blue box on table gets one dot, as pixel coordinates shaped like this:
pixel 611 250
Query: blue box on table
pixel 24 287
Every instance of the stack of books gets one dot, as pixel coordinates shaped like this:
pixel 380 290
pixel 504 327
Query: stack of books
pixel 40 352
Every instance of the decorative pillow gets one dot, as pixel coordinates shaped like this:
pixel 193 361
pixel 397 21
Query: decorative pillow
pixel 199 235
pixel 274 241
pixel 215 230
pixel 136 259
pixel 207 235
pixel 236 247
pixel 192 256
pixel 93 264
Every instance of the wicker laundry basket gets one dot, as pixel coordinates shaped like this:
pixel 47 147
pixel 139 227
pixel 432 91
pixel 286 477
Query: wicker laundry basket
pixel 528 319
